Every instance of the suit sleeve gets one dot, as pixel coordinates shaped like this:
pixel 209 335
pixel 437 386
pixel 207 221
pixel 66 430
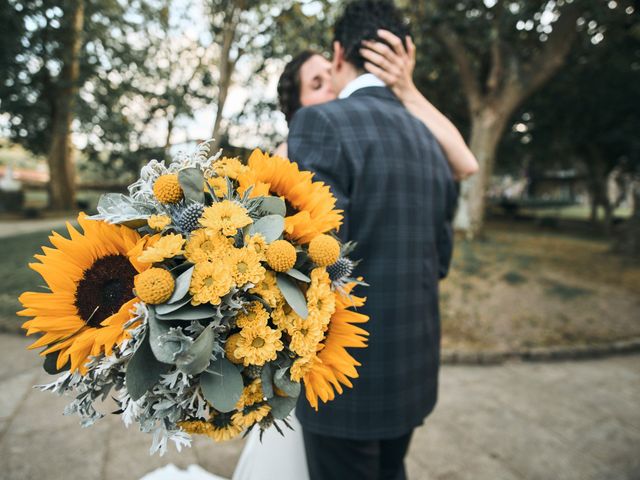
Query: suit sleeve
pixel 314 144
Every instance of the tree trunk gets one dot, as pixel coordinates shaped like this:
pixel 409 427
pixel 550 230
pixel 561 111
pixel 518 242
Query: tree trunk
pixel 627 240
pixel 62 185
pixel 227 65
pixel 487 128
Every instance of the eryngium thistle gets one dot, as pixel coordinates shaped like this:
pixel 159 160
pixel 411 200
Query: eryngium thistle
pixel 253 371
pixel 188 218
pixel 342 268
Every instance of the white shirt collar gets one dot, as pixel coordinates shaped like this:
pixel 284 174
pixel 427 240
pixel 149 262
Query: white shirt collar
pixel 363 81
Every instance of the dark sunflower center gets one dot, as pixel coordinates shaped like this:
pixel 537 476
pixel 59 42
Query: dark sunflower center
pixel 291 210
pixel 222 420
pixel 104 288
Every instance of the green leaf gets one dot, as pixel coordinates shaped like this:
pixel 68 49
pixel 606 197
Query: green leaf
pixel 143 370
pixel 189 312
pixel 50 361
pixel 293 295
pixel 166 308
pixel 271 206
pixel 222 385
pixel 197 358
pixel 298 275
pixel 183 281
pixel 281 407
pixel 192 184
pixel 163 351
pixel 271 227
pixel 283 381
pixel 266 377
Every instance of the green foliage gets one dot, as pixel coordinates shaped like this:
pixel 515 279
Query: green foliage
pixel 270 227
pixel 143 370
pixel 293 295
pixel 222 385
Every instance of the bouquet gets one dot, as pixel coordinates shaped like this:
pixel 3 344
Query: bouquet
pixel 201 300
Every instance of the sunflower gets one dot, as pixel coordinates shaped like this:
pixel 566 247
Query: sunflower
pixel 225 217
pixel 313 203
pixel 259 344
pixel 207 245
pixel 256 315
pixel 90 277
pixel 268 289
pixel 224 427
pixel 321 301
pixel 325 373
pixel 251 414
pixel 210 282
pixel 168 246
pixel 245 266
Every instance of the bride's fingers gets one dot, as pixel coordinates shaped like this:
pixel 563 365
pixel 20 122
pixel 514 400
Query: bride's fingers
pixel 383 50
pixel 383 75
pixel 392 40
pixel 411 48
pixel 376 58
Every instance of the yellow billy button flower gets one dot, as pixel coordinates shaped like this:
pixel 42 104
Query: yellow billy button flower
pixel 281 256
pixel 324 250
pixel 230 348
pixel 167 189
pixel 158 222
pixel 154 286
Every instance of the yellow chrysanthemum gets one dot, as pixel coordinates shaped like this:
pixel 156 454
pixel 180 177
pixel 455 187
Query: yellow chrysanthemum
pixel 207 245
pixel 281 255
pixel 251 394
pixel 313 201
pixel 250 415
pixel 230 348
pixel 229 167
pixel 325 373
pixel 158 222
pixel 154 286
pixel 256 315
pixel 324 250
pixel 167 189
pixel 284 317
pixel 225 217
pixel 268 289
pixel 245 266
pixel 224 428
pixel 168 246
pixel 259 344
pixel 258 244
pixel 321 301
pixel 306 335
pixel 209 283
pixel 90 277
pixel 219 186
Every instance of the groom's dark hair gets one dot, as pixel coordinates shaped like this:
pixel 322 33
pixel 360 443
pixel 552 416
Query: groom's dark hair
pixel 360 21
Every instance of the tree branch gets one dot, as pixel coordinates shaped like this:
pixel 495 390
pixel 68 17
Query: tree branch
pixel 460 55
pixel 496 72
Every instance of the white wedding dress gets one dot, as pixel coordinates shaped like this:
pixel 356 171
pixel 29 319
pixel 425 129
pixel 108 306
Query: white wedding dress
pixel 276 457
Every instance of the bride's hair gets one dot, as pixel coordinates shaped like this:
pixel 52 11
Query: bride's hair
pixel 360 21
pixel 289 84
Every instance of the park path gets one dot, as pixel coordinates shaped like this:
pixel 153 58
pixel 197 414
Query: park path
pixel 569 420
pixel 10 228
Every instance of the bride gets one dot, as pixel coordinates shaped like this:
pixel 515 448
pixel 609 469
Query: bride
pixel 306 81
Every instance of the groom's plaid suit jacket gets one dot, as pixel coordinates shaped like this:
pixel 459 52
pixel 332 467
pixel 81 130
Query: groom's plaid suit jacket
pixel 395 187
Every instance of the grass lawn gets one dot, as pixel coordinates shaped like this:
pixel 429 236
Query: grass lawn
pixel 522 287
pixel 517 287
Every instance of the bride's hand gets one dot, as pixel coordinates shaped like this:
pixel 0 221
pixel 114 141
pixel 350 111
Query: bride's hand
pixel 393 65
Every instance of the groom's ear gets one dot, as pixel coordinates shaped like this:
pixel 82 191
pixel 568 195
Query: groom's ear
pixel 338 55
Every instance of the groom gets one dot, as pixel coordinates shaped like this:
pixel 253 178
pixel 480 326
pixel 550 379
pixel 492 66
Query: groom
pixel 396 190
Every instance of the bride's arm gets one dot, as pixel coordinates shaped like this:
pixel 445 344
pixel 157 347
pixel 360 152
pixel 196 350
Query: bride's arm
pixel 395 68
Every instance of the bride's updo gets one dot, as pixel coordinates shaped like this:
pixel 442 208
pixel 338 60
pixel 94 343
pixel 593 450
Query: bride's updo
pixel 289 84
